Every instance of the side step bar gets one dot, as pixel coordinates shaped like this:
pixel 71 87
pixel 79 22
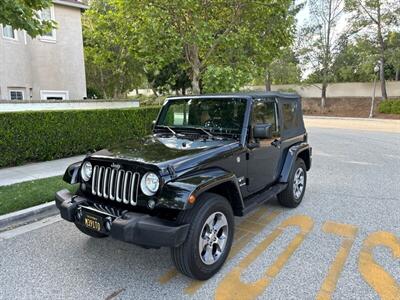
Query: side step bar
pixel 254 201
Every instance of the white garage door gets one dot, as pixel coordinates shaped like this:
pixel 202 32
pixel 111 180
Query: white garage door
pixel 54 95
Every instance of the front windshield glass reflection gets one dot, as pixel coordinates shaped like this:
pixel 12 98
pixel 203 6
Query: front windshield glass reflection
pixel 214 115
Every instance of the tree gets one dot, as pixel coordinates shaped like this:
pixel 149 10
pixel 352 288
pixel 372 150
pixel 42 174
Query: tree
pixel 171 77
pixel 22 14
pixel 355 61
pixel 210 33
pixel 393 52
pixel 283 70
pixel 112 63
pixel 320 39
pixel 375 17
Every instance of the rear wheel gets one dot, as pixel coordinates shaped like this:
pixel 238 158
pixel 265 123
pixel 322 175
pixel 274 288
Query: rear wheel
pixel 209 238
pixel 293 195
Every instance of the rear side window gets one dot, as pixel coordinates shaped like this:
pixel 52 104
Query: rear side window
pixel 264 112
pixel 290 116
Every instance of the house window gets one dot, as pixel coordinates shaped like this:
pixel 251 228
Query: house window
pixel 47 14
pixel 16 95
pixel 9 32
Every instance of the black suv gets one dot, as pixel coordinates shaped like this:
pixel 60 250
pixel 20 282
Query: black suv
pixel 210 158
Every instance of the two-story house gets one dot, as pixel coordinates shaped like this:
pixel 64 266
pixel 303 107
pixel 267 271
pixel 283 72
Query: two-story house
pixel 49 66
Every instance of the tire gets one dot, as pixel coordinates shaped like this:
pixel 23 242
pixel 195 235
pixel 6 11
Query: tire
pixel 89 232
pixel 292 197
pixel 188 259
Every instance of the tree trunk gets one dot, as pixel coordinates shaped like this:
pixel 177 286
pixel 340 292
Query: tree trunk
pixel 382 54
pixel 154 92
pixel 183 91
pixel 397 74
pixel 267 81
pixel 192 55
pixel 195 79
pixel 323 94
pixel 137 91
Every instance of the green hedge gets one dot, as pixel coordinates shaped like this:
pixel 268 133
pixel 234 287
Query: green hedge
pixel 46 135
pixel 390 107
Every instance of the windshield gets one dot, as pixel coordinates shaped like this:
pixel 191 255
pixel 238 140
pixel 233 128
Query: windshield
pixel 211 114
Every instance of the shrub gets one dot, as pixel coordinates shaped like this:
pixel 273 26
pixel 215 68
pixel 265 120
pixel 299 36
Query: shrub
pixel 46 135
pixel 390 106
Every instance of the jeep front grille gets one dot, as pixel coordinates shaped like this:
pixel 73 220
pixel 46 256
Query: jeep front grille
pixel 113 184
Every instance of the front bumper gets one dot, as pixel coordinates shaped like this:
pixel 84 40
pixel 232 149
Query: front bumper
pixel 136 228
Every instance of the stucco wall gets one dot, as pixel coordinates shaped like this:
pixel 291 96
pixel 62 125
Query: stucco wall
pixel 40 65
pixel 15 71
pixel 60 65
pixel 348 89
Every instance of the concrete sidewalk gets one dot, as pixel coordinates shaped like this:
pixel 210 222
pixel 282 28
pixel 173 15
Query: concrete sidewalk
pixel 379 125
pixel 35 171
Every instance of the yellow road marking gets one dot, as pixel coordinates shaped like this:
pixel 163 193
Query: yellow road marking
pixel 384 284
pixel 232 287
pixel 348 232
pixel 171 273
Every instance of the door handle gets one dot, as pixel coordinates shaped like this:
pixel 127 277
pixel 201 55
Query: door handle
pixel 276 143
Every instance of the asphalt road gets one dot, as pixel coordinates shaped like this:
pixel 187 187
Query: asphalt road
pixel 342 242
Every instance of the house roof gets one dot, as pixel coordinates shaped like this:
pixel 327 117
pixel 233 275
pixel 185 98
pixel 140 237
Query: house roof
pixel 72 3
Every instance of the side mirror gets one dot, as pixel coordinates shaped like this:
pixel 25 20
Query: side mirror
pixel 153 124
pixel 262 131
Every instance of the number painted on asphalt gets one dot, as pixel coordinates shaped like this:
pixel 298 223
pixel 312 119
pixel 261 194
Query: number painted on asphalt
pixel 348 232
pixel 382 282
pixel 232 287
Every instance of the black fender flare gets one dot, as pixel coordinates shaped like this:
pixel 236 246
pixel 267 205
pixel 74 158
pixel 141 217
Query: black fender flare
pixel 176 193
pixel 72 175
pixel 304 151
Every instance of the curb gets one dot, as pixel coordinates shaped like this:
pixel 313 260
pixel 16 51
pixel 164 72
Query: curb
pixel 27 215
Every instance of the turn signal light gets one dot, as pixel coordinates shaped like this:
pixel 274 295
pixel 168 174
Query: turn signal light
pixel 192 199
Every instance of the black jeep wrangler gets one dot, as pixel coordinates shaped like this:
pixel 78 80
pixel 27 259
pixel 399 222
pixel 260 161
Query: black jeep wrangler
pixel 210 158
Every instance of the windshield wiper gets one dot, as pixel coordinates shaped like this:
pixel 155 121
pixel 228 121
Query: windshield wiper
pixel 209 134
pixel 167 127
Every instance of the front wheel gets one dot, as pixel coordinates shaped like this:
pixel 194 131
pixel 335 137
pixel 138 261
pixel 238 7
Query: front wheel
pixel 293 195
pixel 209 238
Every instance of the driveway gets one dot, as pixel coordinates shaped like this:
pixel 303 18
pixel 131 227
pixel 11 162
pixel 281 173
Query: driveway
pixel 342 242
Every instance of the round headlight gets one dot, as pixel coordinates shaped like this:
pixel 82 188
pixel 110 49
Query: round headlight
pixel 86 171
pixel 149 184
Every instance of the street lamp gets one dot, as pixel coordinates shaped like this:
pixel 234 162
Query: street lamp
pixel 376 70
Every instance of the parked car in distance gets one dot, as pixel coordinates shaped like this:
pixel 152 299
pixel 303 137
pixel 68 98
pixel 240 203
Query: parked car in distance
pixel 208 159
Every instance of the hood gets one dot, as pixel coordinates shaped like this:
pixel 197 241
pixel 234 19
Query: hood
pixel 161 150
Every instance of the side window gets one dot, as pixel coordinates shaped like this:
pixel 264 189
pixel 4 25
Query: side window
pixel 290 119
pixel 264 112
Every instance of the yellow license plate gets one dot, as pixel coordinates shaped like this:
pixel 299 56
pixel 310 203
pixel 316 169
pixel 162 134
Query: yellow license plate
pixel 92 222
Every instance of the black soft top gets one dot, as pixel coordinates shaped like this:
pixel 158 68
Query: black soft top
pixel 253 95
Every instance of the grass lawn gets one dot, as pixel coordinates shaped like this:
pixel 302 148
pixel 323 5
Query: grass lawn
pixel 30 193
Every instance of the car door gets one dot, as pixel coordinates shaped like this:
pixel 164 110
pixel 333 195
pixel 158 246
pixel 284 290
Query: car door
pixel 263 155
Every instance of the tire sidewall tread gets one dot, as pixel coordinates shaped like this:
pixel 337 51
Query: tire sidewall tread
pixel 186 257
